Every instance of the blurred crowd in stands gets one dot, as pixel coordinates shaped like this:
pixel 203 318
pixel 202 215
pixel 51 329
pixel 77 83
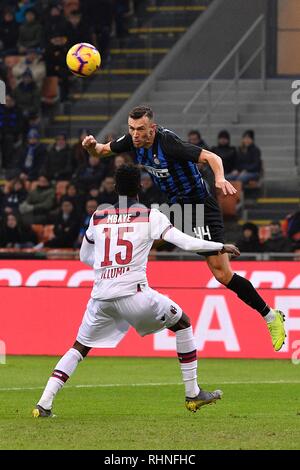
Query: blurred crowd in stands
pixel 35 36
pixel 51 192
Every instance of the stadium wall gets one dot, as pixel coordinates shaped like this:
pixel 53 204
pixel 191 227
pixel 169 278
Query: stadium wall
pixel 201 49
pixel 42 303
pixel 216 37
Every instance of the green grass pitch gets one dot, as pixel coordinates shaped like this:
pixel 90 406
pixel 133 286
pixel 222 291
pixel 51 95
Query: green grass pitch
pixel 138 403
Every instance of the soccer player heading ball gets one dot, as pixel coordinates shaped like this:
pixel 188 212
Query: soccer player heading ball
pixel 173 166
pixel 121 296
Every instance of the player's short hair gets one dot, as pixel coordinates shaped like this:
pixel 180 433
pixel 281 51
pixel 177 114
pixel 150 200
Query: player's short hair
pixel 140 111
pixel 128 180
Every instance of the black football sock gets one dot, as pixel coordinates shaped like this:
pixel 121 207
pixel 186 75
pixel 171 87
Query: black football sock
pixel 246 292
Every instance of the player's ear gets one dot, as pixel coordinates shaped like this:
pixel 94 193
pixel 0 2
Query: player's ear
pixel 153 128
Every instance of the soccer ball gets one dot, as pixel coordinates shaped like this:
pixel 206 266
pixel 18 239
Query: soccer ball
pixel 83 59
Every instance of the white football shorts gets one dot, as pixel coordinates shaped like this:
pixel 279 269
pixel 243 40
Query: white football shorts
pixel 106 322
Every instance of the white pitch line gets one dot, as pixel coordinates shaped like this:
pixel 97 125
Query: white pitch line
pixel 159 384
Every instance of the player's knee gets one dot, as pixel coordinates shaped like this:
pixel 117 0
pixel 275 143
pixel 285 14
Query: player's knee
pixel 183 323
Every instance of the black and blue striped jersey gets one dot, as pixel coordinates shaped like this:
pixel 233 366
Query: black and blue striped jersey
pixel 171 163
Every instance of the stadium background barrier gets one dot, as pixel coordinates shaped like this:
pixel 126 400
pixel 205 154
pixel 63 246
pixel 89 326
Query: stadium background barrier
pixel 42 303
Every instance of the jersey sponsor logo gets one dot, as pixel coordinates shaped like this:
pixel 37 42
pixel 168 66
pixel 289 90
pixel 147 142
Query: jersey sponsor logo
pixel 161 173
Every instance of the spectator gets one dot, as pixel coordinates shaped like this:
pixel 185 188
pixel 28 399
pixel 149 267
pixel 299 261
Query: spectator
pixel 248 165
pixel 73 196
pixel 249 242
pixel 277 243
pixel 14 196
pixel 94 193
pixel 90 207
pixel 100 15
pixel 33 62
pixel 55 57
pixel 23 6
pixel 77 30
pixel 32 157
pixel 58 161
pixel 108 193
pixel 27 95
pixel 113 164
pixel 12 125
pixel 122 9
pixel 90 174
pixel 30 34
pixel 9 33
pixel 14 234
pixel 293 229
pixel 79 156
pixel 195 138
pixel 149 193
pixel 66 227
pixel 38 203
pixel 56 23
pixel 226 152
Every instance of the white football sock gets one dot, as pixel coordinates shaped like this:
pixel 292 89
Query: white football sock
pixel 63 369
pixel 187 355
pixel 270 316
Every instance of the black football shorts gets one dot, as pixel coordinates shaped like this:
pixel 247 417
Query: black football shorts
pixel 209 227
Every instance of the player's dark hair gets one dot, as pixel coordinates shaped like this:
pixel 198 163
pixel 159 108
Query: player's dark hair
pixel 128 180
pixel 140 111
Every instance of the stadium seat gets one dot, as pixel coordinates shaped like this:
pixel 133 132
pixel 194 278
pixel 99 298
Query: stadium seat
pixel 48 232
pixel 254 185
pixel 231 204
pixel 39 231
pixel 43 232
pixel 50 90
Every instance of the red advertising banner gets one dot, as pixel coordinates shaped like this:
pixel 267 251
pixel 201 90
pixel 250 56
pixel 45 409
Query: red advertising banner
pixel 42 303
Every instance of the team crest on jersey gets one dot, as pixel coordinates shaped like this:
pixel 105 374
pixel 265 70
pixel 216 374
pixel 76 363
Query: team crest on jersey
pixel 156 160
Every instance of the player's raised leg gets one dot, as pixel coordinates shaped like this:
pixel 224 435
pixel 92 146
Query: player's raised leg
pixel 220 267
pixel 61 373
pixel 196 397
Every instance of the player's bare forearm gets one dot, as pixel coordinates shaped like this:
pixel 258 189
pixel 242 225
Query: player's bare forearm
pixel 215 162
pixel 96 149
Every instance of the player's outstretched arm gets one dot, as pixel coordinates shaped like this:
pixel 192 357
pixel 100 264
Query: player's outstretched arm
pixel 188 243
pixel 87 253
pixel 96 149
pixel 215 162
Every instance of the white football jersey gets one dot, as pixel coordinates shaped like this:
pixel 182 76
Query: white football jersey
pixel 123 238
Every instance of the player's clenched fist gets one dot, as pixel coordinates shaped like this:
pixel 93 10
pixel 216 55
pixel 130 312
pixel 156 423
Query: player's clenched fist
pixel 89 143
pixel 231 249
